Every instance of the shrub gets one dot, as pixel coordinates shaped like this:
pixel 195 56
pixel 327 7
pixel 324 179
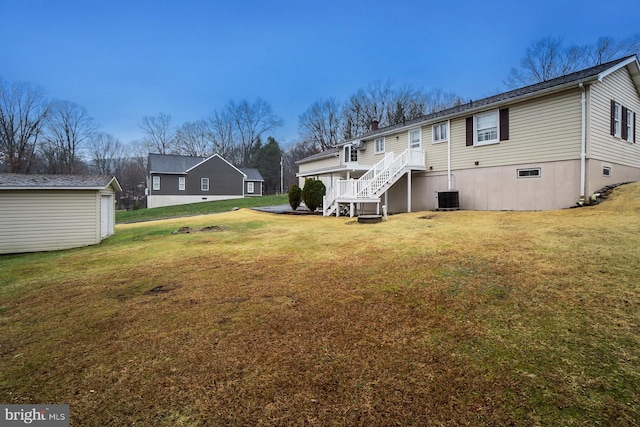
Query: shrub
pixel 295 196
pixel 312 193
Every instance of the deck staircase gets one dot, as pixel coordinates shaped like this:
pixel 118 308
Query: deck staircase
pixel 374 183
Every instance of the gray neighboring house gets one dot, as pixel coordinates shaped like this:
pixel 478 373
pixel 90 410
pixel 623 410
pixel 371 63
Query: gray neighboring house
pixel 51 212
pixel 178 180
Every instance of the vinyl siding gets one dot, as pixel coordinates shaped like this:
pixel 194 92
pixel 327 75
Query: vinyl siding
pixel 327 163
pixel 619 87
pixel 396 142
pixel 541 130
pixel 33 221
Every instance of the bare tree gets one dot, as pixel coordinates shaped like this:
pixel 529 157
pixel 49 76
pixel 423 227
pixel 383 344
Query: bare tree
pixel 320 124
pixel 159 134
pixel 23 114
pixel 251 121
pixel 68 127
pixel 390 106
pixel 107 153
pixel 192 139
pixel 607 49
pixel 221 134
pixel 548 58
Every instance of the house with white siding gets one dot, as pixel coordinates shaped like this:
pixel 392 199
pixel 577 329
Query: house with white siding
pixel 50 212
pixel 545 146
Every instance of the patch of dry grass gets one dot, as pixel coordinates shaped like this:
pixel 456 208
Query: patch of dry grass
pixel 456 318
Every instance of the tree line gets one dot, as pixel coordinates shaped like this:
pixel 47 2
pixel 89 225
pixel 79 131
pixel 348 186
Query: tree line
pixel 41 135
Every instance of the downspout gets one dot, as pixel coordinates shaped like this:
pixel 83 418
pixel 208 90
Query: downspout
pixel 583 147
pixel 449 157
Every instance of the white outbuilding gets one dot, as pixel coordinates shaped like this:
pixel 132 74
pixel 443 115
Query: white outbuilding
pixel 50 212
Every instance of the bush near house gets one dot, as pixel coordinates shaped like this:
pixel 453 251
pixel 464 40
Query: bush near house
pixel 312 193
pixel 295 197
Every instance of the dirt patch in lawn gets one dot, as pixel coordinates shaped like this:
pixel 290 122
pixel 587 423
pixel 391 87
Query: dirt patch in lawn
pixel 208 229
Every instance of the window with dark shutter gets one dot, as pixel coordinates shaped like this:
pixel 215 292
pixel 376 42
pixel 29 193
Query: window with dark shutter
pixel 469 131
pixel 504 124
pixel 613 117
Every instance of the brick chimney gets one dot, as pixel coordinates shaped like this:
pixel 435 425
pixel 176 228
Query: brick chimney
pixel 374 124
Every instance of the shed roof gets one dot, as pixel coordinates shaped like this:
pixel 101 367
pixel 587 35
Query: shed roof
pixel 16 181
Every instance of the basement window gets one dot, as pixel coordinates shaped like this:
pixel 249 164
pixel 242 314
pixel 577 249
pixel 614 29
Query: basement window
pixel 606 171
pixel 529 173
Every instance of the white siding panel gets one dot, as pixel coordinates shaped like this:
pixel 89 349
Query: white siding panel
pixel 33 221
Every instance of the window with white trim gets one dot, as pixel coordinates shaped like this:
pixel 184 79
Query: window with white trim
pixel 630 123
pixel 606 171
pixel 181 183
pixel 415 138
pixel 250 188
pixel 441 132
pixel 156 183
pixel 617 124
pixel 204 184
pixel 529 173
pixel 379 145
pixel 486 128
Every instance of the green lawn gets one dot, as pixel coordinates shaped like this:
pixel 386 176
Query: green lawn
pixel 199 208
pixel 429 319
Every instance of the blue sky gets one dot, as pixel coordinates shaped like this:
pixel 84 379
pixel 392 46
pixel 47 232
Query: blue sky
pixel 123 60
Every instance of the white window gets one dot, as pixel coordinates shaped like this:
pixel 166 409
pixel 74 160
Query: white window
pixel 629 125
pixel 379 145
pixel 617 124
pixel 440 132
pixel 156 183
pixel 350 154
pixel 606 171
pixel 250 188
pixel 181 183
pixel 486 128
pixel 415 138
pixel 204 184
pixel 529 173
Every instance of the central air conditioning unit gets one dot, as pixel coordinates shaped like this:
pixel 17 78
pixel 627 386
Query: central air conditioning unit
pixel 448 200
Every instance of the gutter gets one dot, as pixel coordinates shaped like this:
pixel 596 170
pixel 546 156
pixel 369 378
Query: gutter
pixel 583 143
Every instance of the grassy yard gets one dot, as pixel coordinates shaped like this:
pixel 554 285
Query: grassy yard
pixel 200 208
pixel 430 318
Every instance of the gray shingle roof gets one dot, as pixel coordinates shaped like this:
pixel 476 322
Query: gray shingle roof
pixel 80 182
pixel 252 174
pixel 171 163
pixel 330 152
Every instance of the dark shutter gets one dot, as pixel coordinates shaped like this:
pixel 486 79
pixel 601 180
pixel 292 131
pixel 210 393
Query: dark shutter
pixel 613 117
pixel 469 131
pixel 504 124
pixel 623 133
pixel 634 127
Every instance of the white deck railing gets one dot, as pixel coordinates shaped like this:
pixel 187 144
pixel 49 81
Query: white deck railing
pixel 384 173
